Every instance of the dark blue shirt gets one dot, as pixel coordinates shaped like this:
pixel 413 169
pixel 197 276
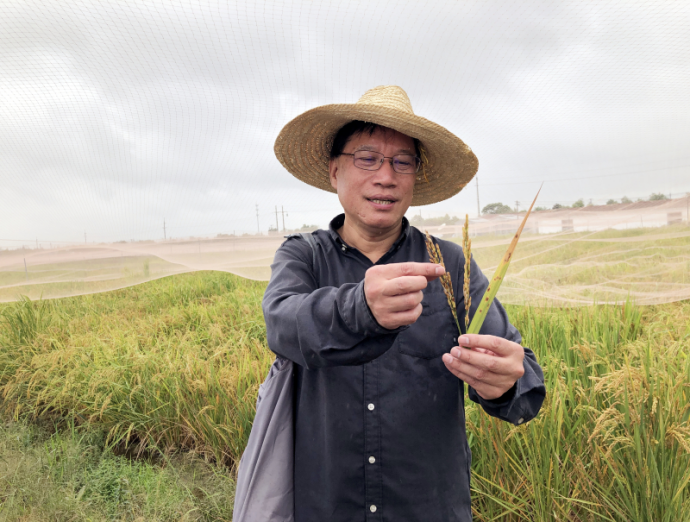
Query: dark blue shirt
pixel 379 420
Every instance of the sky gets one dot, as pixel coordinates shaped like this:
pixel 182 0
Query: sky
pixel 118 116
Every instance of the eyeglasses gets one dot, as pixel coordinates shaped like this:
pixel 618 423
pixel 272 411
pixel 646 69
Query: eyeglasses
pixel 370 160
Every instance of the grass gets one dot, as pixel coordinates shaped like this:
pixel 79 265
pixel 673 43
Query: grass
pixel 171 368
pixel 70 474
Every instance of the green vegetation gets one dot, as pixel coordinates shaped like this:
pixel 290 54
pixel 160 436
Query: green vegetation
pixel 169 370
pixel 496 208
pixel 419 221
pixel 612 441
pixel 70 474
pixel 174 363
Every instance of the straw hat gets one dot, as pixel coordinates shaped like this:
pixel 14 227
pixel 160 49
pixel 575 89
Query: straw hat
pixel 303 147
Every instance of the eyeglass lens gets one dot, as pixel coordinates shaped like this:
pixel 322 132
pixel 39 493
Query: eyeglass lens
pixel 370 160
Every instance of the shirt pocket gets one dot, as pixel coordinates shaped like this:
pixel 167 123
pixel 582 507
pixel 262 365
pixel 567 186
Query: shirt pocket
pixel 435 332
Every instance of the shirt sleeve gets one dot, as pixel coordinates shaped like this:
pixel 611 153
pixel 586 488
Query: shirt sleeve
pixel 523 401
pixel 318 327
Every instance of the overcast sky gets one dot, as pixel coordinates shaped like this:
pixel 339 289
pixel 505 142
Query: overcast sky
pixel 117 115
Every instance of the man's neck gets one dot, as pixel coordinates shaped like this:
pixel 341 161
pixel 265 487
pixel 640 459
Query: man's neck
pixel 372 243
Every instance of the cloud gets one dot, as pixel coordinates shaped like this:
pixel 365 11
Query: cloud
pixel 115 116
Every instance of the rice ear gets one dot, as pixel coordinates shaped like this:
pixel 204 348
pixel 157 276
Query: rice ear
pixel 435 256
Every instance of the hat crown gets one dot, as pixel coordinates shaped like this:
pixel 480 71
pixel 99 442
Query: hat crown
pixel 388 96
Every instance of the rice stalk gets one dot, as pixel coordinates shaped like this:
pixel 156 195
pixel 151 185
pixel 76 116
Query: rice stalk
pixel 467 251
pixel 435 256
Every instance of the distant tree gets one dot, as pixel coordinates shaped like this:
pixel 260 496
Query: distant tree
pixel 579 203
pixel 626 199
pixel 536 209
pixel 556 206
pixel 658 197
pixel 309 227
pixel 611 202
pixel 419 221
pixel 496 208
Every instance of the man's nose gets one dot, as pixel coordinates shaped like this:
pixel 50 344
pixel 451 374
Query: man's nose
pixel 385 175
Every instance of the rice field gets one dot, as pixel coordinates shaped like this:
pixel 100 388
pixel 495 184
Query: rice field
pixel 170 368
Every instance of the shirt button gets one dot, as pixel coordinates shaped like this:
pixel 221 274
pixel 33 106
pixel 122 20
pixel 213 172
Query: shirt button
pixel 372 508
pixel 372 460
pixel 521 420
pixel 371 406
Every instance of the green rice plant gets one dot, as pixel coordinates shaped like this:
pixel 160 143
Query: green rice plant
pixel 612 441
pixel 174 365
pixel 22 322
pixel 169 364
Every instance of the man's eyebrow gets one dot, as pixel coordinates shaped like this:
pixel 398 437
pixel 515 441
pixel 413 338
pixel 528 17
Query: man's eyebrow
pixel 375 149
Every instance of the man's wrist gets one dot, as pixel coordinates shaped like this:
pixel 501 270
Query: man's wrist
pixel 506 397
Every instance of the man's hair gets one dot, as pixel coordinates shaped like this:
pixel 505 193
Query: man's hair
pixel 357 127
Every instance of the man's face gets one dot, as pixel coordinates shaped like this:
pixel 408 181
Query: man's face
pixel 374 200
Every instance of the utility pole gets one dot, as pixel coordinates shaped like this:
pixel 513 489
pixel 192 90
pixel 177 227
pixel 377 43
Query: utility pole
pixel 282 210
pixel 276 218
pixel 26 271
pixel 258 230
pixel 517 207
pixel 165 235
pixel 476 179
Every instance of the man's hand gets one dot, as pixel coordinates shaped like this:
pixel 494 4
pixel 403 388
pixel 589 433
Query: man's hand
pixel 492 367
pixel 394 292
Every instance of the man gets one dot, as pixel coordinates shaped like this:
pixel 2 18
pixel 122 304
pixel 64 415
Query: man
pixel 379 369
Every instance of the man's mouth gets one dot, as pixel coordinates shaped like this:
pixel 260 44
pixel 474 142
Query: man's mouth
pixel 381 201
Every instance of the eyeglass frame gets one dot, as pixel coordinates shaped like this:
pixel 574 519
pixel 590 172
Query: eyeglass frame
pixel 418 161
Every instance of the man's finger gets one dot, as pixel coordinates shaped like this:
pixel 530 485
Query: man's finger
pixel 402 303
pixel 483 362
pixel 395 320
pixel 429 270
pixel 501 347
pixel 485 390
pixel 404 285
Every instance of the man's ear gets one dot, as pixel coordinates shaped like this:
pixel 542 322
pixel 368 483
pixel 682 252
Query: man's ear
pixel 333 172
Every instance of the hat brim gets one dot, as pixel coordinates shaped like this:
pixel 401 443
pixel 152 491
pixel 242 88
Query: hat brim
pixel 303 147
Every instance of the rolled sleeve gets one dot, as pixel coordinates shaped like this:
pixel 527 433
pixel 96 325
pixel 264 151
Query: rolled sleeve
pixel 318 327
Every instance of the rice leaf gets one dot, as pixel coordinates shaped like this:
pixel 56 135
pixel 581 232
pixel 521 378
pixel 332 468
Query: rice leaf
pixel 497 279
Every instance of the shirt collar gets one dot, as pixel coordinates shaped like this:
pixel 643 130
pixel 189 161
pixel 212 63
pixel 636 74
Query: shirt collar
pixel 339 220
